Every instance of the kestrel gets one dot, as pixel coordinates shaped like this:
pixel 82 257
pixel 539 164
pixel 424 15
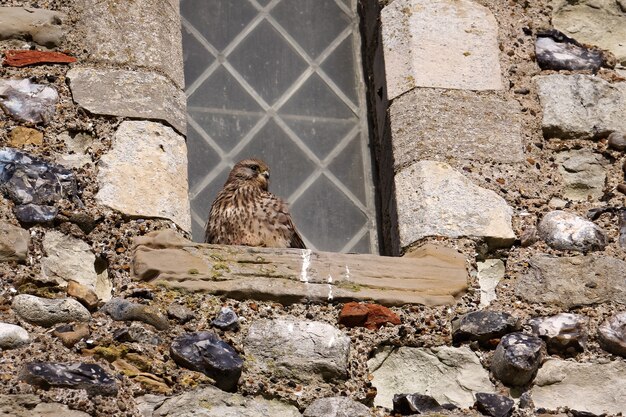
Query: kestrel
pixel 246 213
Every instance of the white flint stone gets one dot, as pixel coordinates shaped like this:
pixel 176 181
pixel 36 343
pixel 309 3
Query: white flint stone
pixel 490 273
pixel 12 336
pixel 568 231
pixel 450 375
pixel 445 44
pixel 435 200
pixel 145 173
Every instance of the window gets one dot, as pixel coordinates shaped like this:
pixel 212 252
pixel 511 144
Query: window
pixel 282 80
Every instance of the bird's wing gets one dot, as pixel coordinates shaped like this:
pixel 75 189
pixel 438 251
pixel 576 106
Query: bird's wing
pixel 280 213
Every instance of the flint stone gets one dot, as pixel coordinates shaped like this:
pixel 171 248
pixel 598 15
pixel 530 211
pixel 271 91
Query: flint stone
pixel 43 26
pixel 179 313
pixel 601 23
pixel 490 273
pixel 448 204
pixel 617 141
pixel 556 51
pixel 205 352
pixel 517 358
pixel 572 107
pixel 456 125
pixel 450 375
pixel 122 310
pixel 35 213
pixel 446 44
pixel 87 376
pixel 107 25
pixel 563 333
pixel 585 387
pixel 143 95
pixel 137 334
pixel 28 102
pixel 226 320
pixel 612 334
pixel 411 404
pixel 494 405
pixel 140 147
pixel 483 327
pixel 70 259
pixel 568 231
pixel 574 281
pixel 28 405
pixel 212 402
pixel 48 312
pixel 14 243
pixel 305 351
pixel 337 407
pixel 12 336
pixel 584 174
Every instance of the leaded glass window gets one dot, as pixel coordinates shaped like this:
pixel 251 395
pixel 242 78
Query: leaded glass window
pixel 282 80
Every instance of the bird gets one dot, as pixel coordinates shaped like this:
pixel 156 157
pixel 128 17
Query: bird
pixel 246 213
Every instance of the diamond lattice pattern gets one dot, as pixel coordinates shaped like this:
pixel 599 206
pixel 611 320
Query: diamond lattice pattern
pixel 281 80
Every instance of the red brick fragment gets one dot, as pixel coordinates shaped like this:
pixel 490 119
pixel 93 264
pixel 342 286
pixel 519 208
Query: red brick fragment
pixel 22 58
pixel 353 314
pixel 379 315
pixel 370 316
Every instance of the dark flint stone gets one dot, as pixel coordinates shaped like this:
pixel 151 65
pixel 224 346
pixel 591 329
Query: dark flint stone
pixel 34 213
pixel 409 404
pixel 205 352
pixel 87 376
pixel 483 327
pixel 517 358
pixel 617 141
pixel 494 405
pixel 556 51
pixel 226 320
pixel 622 229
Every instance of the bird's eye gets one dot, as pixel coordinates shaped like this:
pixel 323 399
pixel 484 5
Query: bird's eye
pixel 254 168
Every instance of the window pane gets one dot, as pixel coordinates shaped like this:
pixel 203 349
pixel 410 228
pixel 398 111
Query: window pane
pixel 281 80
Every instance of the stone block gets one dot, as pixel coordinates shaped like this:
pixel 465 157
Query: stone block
pixel 447 44
pixel 45 27
pixel 460 125
pixel 123 93
pixel 581 106
pixel 146 35
pixel 145 173
pixel 435 200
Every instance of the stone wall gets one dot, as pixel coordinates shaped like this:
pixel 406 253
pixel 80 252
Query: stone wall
pixel 499 145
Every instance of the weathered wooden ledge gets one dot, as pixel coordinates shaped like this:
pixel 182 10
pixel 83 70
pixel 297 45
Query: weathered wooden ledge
pixel 432 275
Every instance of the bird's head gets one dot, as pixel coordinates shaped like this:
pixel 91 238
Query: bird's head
pixel 251 171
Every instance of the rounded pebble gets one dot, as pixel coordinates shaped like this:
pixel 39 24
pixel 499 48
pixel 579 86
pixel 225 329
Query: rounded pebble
pixel 12 336
pixel 568 231
pixel 48 312
pixel 612 334
pixel 617 141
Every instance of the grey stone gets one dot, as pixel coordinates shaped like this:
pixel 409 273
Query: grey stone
pixel 137 334
pixel 564 333
pixel 449 125
pixel 435 200
pixel 43 26
pixel 490 273
pixel 128 36
pixel 612 334
pixel 517 358
pixel 48 312
pixel 122 310
pixel 77 147
pixel 447 44
pixel 581 106
pixel 450 375
pixel 574 281
pixel 29 405
pixel 568 231
pixel 226 319
pixel 124 93
pixel 28 102
pixel 595 22
pixel 584 174
pixel 617 141
pixel 556 51
pixel 70 259
pixel 140 147
pixel 12 336
pixel 87 376
pixel 306 351
pixel 179 313
pixel 14 243
pixel 598 388
pixel 483 327
pixel 213 402
pixel 337 407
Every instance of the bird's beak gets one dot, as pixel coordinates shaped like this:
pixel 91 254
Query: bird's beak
pixel 266 175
